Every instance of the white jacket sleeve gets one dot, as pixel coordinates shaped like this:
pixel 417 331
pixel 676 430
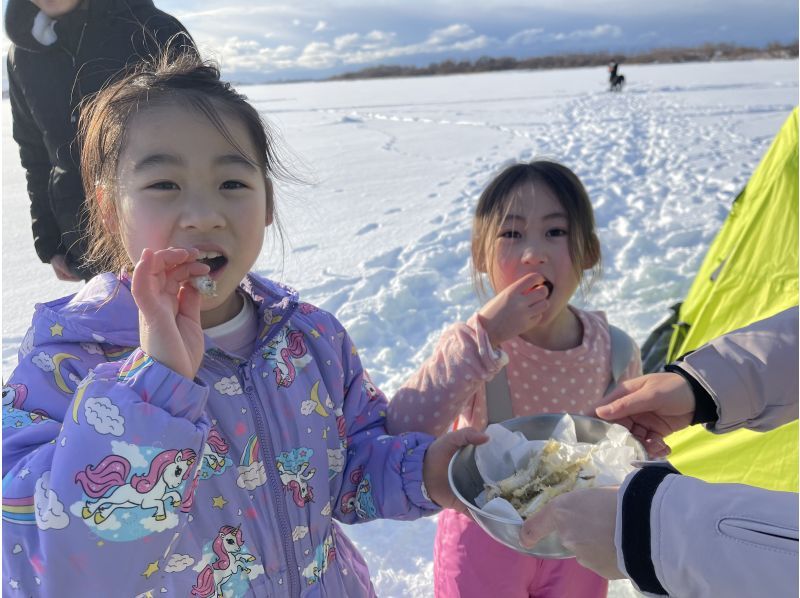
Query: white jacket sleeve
pixel 706 539
pixel 681 536
pixel 751 373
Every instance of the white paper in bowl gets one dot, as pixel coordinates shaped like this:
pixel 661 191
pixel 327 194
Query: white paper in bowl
pixel 508 452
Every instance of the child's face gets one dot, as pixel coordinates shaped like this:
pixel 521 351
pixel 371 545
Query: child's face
pixel 534 238
pixel 56 8
pixel 182 184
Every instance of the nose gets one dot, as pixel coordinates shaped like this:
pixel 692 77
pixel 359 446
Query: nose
pixel 202 213
pixel 533 254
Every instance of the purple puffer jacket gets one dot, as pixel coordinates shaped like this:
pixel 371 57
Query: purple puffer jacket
pixel 121 477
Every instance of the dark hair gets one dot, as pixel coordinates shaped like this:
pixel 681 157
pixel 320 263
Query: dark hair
pixel 496 201
pixel 178 75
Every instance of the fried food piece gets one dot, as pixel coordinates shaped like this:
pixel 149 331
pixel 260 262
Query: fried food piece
pixel 549 473
pixel 205 285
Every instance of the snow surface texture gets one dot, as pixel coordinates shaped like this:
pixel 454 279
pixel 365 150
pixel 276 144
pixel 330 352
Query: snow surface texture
pixel 381 238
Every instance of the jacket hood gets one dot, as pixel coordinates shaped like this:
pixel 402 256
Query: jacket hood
pixel 104 311
pixel 21 13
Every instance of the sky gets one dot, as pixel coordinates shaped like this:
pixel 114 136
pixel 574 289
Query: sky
pixel 303 39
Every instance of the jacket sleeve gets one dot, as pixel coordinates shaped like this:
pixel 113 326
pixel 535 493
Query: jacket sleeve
pixel 382 477
pixel 127 431
pixel 681 536
pixel 36 162
pixel 751 374
pixel 431 399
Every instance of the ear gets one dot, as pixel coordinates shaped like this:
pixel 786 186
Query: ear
pixel 270 198
pixel 479 255
pixel 592 255
pixel 480 265
pixel 106 209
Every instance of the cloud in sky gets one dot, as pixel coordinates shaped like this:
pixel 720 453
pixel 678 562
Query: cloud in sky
pixel 600 31
pixel 311 39
pixel 526 36
pixel 377 46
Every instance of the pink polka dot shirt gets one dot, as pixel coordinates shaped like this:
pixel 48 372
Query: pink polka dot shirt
pixel 450 386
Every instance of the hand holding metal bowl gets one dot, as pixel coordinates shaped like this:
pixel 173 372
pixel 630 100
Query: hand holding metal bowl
pixel 603 455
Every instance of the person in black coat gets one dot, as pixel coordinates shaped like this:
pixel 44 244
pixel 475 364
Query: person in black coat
pixel 63 51
pixel 615 80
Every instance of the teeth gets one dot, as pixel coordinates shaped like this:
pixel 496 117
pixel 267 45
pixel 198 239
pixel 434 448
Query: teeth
pixel 208 255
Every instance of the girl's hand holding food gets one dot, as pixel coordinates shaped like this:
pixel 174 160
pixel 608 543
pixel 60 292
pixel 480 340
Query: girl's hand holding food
pixel 169 308
pixel 516 309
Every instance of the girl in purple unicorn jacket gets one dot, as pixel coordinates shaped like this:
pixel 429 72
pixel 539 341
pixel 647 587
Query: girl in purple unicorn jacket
pixel 160 441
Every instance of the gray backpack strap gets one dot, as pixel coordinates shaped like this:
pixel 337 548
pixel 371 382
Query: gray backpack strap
pixel 498 398
pixel 622 347
pixel 498 395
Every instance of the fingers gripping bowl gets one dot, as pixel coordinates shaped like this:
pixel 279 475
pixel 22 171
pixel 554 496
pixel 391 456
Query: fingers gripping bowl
pixel 470 487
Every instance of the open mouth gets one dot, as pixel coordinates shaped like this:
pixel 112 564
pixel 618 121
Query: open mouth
pixel 213 259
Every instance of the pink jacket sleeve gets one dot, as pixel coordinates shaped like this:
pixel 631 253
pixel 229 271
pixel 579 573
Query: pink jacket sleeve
pixel 448 383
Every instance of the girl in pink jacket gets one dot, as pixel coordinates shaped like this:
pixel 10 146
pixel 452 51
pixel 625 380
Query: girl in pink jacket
pixel 533 237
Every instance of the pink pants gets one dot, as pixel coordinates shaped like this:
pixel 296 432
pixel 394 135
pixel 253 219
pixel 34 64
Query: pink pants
pixel 470 563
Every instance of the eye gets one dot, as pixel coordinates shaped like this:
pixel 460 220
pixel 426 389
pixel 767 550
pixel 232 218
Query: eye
pixel 557 232
pixel 233 185
pixel 510 234
pixel 229 541
pixel 163 186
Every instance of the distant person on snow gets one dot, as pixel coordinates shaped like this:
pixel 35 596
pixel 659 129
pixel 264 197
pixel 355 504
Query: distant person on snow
pixel 677 535
pixel 134 399
pixel 615 81
pixel 526 351
pixel 63 51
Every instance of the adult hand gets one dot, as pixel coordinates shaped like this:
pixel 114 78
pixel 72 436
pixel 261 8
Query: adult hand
pixel 62 269
pixel 515 309
pixel 651 407
pixel 169 308
pixel 434 467
pixel 585 521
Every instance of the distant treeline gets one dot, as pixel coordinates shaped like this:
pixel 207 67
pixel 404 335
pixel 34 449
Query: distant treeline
pixel 704 53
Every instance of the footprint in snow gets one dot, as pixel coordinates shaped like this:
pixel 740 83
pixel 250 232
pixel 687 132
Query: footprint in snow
pixel 364 230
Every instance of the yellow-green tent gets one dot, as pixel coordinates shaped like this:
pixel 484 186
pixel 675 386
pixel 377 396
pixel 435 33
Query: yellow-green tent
pixel 749 273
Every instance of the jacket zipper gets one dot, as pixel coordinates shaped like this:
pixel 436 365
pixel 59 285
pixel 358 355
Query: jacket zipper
pixel 268 455
pixel 74 56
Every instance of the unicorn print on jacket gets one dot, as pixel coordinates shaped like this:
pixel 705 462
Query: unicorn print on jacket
pixel 293 467
pixel 287 345
pixel 167 471
pixel 323 556
pixel 215 451
pixel 360 500
pixel 230 560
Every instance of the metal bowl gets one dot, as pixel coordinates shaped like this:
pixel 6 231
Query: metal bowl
pixel 467 483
